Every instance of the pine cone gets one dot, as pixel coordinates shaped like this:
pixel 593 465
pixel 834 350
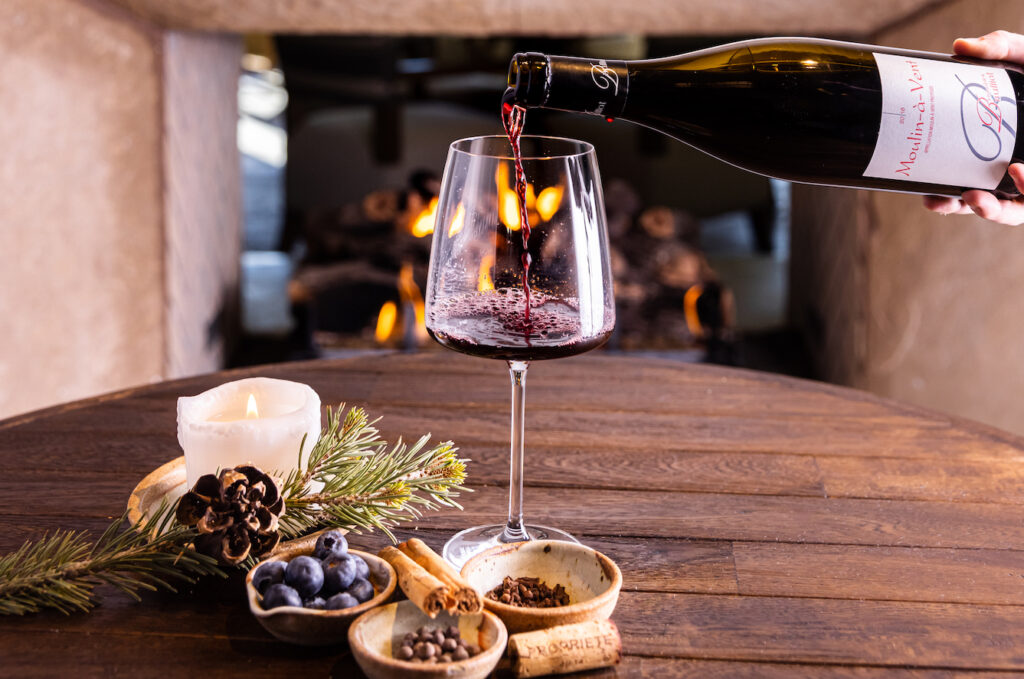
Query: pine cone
pixel 236 513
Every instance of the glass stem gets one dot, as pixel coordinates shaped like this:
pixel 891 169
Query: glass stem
pixel 515 531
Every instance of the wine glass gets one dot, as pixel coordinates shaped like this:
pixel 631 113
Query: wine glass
pixel 489 294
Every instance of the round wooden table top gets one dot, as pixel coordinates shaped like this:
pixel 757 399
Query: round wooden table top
pixel 764 526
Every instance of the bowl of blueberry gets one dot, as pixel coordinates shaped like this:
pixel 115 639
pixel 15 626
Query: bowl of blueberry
pixel 309 594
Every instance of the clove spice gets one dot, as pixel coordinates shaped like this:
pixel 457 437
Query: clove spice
pixel 529 593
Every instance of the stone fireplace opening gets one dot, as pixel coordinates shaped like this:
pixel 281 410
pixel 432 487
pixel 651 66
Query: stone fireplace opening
pixel 339 235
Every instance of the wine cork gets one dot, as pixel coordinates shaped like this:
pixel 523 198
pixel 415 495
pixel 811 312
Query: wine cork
pixel 462 598
pixel 569 648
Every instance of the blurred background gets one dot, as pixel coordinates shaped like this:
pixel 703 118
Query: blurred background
pixel 203 184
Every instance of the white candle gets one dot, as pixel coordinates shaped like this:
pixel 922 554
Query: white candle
pixel 259 421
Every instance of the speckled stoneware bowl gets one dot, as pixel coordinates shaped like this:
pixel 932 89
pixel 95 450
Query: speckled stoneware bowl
pixel 377 635
pixel 309 627
pixel 591 579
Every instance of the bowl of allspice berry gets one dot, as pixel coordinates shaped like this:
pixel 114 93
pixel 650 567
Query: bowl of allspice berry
pixel 545 583
pixel 399 640
pixel 443 630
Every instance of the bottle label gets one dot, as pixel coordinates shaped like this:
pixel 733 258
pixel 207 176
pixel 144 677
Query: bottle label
pixel 944 122
pixel 595 86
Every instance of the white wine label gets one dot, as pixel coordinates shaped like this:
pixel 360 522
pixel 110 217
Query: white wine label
pixel 943 122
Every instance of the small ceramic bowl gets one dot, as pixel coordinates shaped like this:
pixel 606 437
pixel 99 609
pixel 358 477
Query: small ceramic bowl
pixel 377 635
pixel 591 579
pixel 309 627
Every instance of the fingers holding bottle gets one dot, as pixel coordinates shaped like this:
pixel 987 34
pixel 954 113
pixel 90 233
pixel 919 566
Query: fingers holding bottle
pixel 946 205
pixel 987 206
pixel 995 46
pixel 983 203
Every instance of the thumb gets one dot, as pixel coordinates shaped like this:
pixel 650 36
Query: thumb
pixel 995 46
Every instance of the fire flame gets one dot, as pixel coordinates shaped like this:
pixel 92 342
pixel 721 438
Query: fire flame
pixel 690 310
pixel 386 321
pixel 485 283
pixel 391 320
pixel 508 201
pixel 542 206
pixel 458 221
pixel 548 202
pixel 251 411
pixel 410 294
pixel 423 225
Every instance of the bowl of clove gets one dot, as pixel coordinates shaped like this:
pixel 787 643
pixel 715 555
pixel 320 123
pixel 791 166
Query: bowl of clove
pixel 545 583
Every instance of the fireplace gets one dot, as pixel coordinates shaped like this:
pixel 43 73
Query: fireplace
pixel 369 121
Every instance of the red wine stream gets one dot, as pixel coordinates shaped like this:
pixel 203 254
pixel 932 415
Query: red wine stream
pixel 513 117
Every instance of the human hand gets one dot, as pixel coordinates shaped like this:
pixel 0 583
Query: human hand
pixel 996 46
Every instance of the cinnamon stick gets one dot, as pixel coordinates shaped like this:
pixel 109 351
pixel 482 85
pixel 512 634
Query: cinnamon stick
pixel 564 649
pixel 462 598
pixel 428 593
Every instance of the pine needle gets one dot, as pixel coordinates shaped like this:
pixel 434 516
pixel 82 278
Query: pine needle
pixel 62 570
pixel 365 485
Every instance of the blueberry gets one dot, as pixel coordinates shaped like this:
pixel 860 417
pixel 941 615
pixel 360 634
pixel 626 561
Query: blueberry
pixel 362 568
pixel 361 590
pixel 281 595
pixel 305 575
pixel 268 574
pixel 339 601
pixel 339 572
pixel 317 603
pixel 331 543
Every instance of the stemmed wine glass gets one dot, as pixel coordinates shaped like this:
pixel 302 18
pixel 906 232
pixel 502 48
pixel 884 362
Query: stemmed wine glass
pixel 496 294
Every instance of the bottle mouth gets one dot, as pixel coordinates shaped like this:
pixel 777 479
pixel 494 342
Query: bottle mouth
pixel 527 78
pixel 514 68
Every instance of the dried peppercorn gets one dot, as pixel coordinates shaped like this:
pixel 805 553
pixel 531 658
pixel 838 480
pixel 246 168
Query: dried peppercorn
pixel 435 646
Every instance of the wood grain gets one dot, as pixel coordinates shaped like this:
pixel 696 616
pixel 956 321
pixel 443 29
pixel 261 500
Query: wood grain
pixel 979 576
pixel 724 516
pixel 766 527
pixel 820 630
pixel 821 436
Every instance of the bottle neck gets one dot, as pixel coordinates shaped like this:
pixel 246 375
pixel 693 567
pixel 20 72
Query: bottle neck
pixel 595 86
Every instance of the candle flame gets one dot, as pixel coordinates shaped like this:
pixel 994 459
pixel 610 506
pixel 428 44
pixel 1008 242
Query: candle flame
pixel 251 411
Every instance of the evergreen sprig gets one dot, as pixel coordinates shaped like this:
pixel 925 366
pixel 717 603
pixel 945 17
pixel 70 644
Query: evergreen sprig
pixel 61 570
pixel 351 479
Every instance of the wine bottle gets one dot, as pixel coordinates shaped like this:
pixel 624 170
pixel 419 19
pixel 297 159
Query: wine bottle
pixel 807 110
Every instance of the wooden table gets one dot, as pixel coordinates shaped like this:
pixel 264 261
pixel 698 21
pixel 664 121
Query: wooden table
pixel 765 526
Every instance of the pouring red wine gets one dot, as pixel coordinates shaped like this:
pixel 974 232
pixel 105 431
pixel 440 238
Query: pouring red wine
pixel 820 111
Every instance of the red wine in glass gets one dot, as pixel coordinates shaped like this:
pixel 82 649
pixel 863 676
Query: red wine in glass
pixel 493 326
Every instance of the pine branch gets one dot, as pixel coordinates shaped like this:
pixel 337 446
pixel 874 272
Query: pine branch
pixel 62 570
pixel 362 485
pixel 365 485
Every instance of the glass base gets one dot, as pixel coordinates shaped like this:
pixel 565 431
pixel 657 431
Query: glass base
pixel 468 543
